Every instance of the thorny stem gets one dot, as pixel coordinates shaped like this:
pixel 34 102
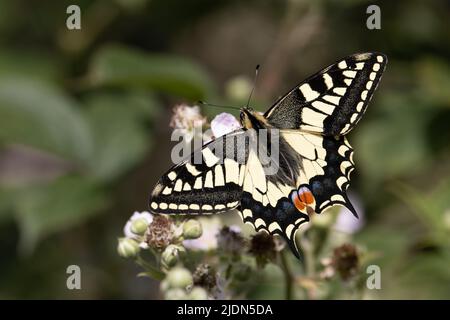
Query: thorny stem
pixel 289 278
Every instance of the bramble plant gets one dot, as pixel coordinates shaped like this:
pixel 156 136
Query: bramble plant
pixel 208 258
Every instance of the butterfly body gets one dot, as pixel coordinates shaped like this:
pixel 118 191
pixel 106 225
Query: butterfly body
pixel 284 165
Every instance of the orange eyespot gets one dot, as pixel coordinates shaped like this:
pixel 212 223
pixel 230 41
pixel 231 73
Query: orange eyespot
pixel 306 195
pixel 303 199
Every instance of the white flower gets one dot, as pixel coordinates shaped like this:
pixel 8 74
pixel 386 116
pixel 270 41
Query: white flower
pixel 235 228
pixel 208 240
pixel 346 222
pixel 186 119
pixel 224 123
pixel 145 215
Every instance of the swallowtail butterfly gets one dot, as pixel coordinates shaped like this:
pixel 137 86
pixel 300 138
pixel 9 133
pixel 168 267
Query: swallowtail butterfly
pixel 313 165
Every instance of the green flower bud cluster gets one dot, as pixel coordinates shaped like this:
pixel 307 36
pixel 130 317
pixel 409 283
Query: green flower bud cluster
pixel 179 285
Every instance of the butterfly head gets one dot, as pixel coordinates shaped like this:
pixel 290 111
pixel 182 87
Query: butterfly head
pixel 251 119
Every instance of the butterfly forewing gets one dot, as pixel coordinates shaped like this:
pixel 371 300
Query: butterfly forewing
pixel 332 101
pixel 209 181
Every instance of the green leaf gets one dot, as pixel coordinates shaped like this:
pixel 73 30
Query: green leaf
pixel 429 207
pixel 393 143
pixel 7 198
pixel 37 114
pixel 120 66
pixel 43 210
pixel 30 64
pixel 120 131
pixel 433 76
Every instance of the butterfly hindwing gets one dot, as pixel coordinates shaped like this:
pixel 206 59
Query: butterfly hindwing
pixel 332 101
pixel 325 167
pixel 280 203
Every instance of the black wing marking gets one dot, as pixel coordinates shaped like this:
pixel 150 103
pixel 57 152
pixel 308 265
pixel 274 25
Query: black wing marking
pixel 210 181
pixel 279 217
pixel 332 101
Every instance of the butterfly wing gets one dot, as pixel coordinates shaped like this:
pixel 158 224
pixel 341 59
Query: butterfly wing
pixel 313 175
pixel 209 181
pixel 333 100
pixel 314 163
pixel 326 164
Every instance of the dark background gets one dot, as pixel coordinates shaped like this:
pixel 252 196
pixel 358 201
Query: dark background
pixel 84 131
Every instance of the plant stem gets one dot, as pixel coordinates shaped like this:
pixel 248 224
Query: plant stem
pixel 309 257
pixel 289 279
pixel 310 268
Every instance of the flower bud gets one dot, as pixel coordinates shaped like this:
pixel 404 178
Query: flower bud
pixel 139 226
pixel 127 248
pixel 192 229
pixel 323 220
pixel 345 260
pixel 197 293
pixel 179 278
pixel 171 255
pixel 164 286
pixel 175 294
pixel 205 276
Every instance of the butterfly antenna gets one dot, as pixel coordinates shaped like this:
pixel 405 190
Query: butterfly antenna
pixel 217 106
pixel 254 85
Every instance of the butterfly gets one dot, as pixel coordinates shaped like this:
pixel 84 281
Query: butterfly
pixel 313 158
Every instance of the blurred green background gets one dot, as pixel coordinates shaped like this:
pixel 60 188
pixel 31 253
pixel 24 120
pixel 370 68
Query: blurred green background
pixel 84 131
